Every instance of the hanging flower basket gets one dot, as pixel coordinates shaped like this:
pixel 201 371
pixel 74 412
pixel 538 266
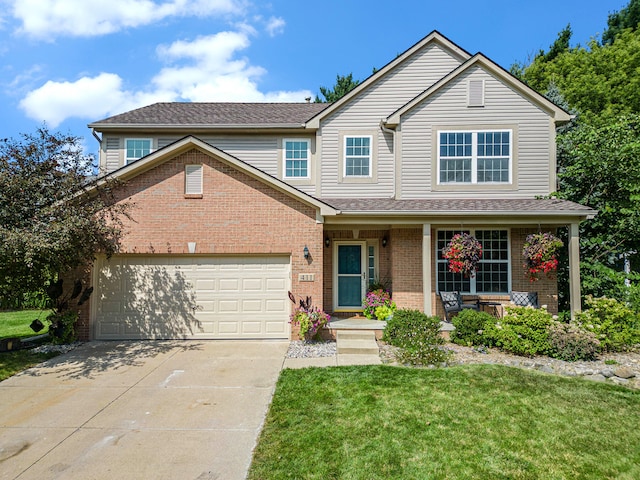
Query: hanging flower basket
pixel 463 252
pixel 539 252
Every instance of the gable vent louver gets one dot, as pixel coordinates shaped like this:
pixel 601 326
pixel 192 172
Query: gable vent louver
pixel 193 179
pixel 476 93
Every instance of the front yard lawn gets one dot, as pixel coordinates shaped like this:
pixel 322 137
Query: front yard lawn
pixel 464 422
pixel 16 324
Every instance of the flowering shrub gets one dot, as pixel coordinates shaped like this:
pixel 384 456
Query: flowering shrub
pixel 470 327
pixel 311 319
pixel 571 342
pixel 539 254
pixel 374 300
pixel 418 337
pixel 522 330
pixel 464 253
pixel 614 324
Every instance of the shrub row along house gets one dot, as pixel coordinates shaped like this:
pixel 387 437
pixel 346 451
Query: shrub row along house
pixel 238 203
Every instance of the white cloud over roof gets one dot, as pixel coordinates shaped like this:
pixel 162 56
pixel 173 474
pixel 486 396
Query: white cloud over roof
pixel 46 20
pixel 207 68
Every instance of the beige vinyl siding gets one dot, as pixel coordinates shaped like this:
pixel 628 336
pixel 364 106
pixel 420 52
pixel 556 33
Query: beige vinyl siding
pixel 164 141
pixel 364 113
pixel 503 108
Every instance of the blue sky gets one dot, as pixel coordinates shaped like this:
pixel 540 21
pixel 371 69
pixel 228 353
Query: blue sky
pixel 71 62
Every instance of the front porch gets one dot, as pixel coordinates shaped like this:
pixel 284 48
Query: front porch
pixel 406 260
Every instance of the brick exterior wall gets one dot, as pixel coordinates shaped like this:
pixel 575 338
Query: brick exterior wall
pixel 406 267
pixel 236 215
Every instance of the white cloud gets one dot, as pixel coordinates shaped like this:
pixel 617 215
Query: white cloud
pixel 87 97
pixel 275 26
pixel 46 20
pixel 205 69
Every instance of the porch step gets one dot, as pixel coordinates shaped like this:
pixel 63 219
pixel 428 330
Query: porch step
pixel 356 342
pixel 356 335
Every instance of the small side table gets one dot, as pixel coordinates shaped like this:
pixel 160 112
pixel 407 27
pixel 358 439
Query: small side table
pixel 497 311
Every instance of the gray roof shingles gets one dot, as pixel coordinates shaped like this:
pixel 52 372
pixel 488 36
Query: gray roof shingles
pixel 452 206
pixel 217 114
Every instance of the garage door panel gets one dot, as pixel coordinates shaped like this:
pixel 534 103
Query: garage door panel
pixel 192 297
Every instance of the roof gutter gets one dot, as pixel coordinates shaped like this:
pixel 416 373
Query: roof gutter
pixel 588 215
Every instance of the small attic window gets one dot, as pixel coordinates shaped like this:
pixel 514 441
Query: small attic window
pixel 193 180
pixel 476 93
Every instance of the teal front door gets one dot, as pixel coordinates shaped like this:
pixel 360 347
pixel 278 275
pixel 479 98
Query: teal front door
pixel 350 275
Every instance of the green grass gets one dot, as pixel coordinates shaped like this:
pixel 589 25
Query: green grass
pixel 16 324
pixel 17 361
pixel 465 422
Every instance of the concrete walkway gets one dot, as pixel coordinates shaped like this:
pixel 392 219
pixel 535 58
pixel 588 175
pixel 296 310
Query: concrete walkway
pixel 139 410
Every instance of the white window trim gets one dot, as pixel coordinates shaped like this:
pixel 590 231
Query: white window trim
pixel 370 157
pixel 128 160
pixel 472 282
pixel 284 158
pixel 192 169
pixel 474 155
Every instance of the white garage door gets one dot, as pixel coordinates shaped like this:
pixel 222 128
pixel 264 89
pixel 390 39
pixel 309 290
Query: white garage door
pixel 140 297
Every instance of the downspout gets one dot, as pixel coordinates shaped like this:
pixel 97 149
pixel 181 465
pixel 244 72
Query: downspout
pixel 385 129
pixel 95 135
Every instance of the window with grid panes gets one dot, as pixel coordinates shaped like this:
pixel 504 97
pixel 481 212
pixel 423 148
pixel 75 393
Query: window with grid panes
pixel 371 263
pixel 296 159
pixel 474 157
pixel 136 148
pixel 357 156
pixel 492 275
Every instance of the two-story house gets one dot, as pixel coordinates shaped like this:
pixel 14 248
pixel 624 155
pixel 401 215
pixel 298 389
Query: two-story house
pixel 236 204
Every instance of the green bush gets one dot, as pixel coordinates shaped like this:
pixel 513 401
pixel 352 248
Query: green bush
pixel 62 328
pixel 522 330
pixel 615 325
pixel 571 342
pixel 470 325
pixel 418 337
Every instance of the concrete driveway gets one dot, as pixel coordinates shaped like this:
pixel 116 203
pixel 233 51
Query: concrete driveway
pixel 139 410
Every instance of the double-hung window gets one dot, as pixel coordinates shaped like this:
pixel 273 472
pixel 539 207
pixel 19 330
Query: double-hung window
pixel 296 158
pixel 492 275
pixel 136 148
pixel 357 156
pixel 475 157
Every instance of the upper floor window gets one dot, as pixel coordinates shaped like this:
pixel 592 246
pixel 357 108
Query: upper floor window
pixel 474 157
pixel 296 159
pixel 492 275
pixel 136 148
pixel 357 156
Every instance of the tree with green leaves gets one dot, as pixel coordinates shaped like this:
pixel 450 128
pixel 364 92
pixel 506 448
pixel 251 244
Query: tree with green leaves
pixel 626 18
pixel 54 214
pixel 599 151
pixel 344 84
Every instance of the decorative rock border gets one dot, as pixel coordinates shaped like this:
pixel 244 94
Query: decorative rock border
pixel 619 368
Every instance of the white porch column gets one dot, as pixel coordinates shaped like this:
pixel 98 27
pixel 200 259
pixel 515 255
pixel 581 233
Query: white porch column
pixel 426 267
pixel 574 269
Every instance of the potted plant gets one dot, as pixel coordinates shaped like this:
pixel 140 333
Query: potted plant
pixel 539 252
pixel 310 319
pixel 463 252
pixel 378 304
